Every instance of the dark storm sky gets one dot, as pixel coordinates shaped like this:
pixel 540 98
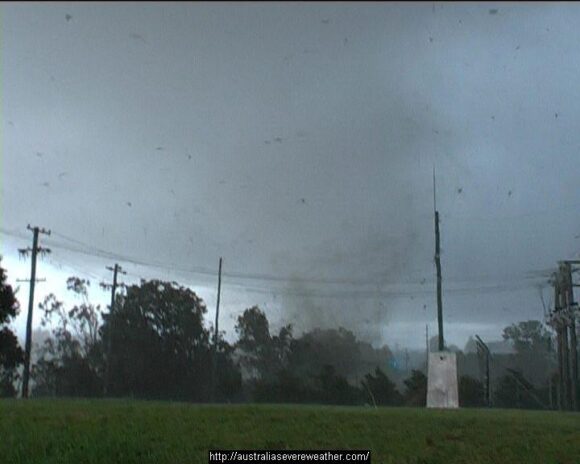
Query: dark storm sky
pixel 298 141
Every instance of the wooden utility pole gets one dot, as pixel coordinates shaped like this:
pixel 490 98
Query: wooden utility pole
pixel 438 267
pixel 116 270
pixel 426 348
pixel 570 309
pixel 28 344
pixel 216 334
pixel 556 323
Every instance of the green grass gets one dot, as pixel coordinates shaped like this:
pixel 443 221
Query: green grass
pixel 111 431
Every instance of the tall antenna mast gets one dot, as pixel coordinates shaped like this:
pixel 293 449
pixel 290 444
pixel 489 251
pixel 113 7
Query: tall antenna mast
pixel 434 192
pixel 438 267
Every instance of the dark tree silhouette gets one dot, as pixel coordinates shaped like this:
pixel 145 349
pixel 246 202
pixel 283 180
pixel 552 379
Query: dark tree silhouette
pixel 11 355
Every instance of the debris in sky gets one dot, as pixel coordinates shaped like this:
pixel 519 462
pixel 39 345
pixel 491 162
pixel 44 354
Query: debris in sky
pixel 518 47
pixel 493 117
pixel 493 11
pixel 68 17
pixel 325 21
pixel 430 39
pixel 436 131
pixel 556 115
pixel 510 193
pixel 267 142
pixel 129 204
pixel 423 281
pixel 136 36
pixel 424 307
pixel 188 157
pixel 345 41
pixel 278 139
pixel 39 154
pixel 10 123
pixel 222 182
pixel 159 148
pixel 173 192
pixel 302 200
pixel 46 184
pixel 460 190
pixel 62 174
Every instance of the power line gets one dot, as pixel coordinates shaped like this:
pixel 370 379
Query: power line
pixel 103 254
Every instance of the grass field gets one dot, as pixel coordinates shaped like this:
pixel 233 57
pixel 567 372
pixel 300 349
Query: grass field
pixel 107 432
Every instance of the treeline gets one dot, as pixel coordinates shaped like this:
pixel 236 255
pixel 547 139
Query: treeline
pixel 155 344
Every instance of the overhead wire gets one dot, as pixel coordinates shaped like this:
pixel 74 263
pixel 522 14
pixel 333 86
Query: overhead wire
pixel 371 287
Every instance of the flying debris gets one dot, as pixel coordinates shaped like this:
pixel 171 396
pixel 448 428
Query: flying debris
pixel 46 184
pixel 493 11
pixel 136 36
pixel 345 41
pixel 493 117
pixel 188 157
pixel 67 17
pixel 62 174
pixel 129 204
pixel 556 115
pixel 424 307
pixel 303 201
pixel 431 39
pixel 173 192
pixel 460 190
pixel 10 123
pixel 423 281
pixel 325 21
pixel 267 142
pixel 39 154
pixel 222 182
pixel 518 47
pixel 159 148
pixel 510 193
pixel 278 139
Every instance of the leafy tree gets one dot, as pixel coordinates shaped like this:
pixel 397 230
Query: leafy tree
pixel 260 353
pixel 160 347
pixel 71 360
pixel 382 390
pixel 528 337
pixel 471 392
pixel 514 391
pixel 335 389
pixel 11 355
pixel 533 357
pixel 416 389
